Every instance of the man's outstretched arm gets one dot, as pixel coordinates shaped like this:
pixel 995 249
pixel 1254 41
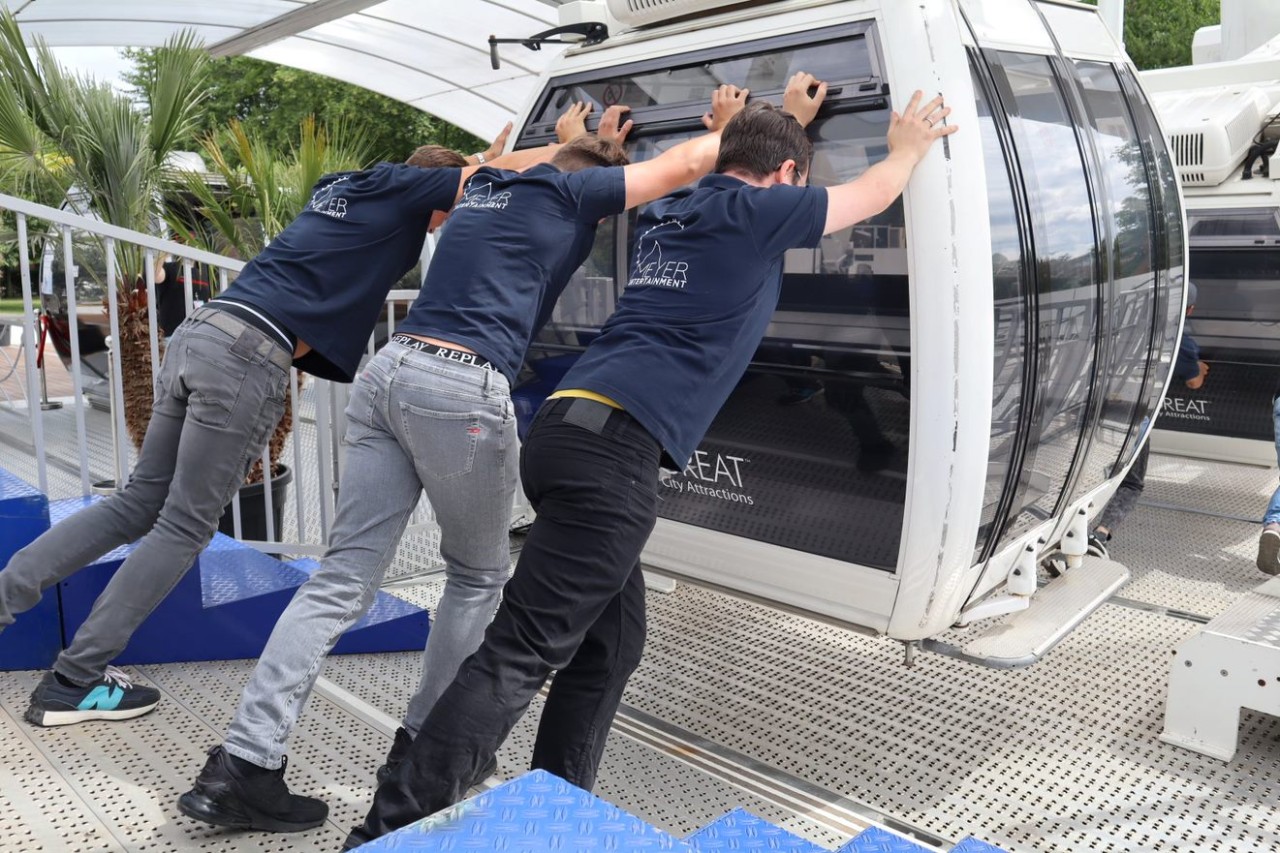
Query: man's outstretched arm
pixel 514 161
pixel 494 151
pixel 689 160
pixel 910 136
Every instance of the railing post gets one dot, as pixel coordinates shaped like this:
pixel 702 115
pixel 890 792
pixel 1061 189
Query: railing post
pixel 29 331
pixel 153 334
pixel 115 376
pixel 77 381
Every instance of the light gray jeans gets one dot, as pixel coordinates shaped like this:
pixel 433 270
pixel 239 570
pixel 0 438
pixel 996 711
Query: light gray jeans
pixel 219 394
pixel 415 422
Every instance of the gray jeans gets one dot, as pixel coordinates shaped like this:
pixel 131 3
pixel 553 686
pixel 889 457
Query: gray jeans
pixel 219 394
pixel 415 422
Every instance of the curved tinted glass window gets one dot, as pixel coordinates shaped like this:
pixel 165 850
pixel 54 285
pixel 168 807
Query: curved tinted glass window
pixel 1168 260
pixel 1130 296
pixel 840 55
pixel 1066 290
pixel 1233 228
pixel 1010 320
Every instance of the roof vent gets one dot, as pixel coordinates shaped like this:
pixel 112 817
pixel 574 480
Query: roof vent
pixel 644 13
pixel 1210 130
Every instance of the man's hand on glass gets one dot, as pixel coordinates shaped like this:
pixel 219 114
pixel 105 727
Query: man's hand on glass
pixel 726 102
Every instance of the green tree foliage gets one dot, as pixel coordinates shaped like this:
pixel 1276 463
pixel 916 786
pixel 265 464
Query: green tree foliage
pixel 59 130
pixel 271 102
pixel 1158 33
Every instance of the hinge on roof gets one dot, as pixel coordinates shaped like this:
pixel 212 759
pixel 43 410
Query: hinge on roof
pixel 587 32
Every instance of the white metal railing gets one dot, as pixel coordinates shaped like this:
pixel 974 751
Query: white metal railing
pixel 329 398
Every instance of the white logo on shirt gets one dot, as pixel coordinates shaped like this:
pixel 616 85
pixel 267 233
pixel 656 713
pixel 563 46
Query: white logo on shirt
pixel 325 201
pixel 483 196
pixel 650 268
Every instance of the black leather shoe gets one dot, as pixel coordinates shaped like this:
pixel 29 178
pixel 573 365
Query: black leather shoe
pixel 234 793
pixel 357 837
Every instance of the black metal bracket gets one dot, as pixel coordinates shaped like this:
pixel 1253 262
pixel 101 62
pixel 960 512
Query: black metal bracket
pixel 591 32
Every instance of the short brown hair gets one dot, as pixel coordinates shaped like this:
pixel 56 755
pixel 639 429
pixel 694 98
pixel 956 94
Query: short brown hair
pixel 431 156
pixel 761 138
pixel 586 151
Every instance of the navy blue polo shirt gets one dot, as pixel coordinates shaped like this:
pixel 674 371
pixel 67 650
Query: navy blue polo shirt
pixel 326 276
pixel 511 245
pixel 706 271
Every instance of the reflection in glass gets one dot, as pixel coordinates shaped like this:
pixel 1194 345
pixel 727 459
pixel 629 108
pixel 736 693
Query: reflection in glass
pixel 1067 292
pixel 1010 292
pixel 1131 296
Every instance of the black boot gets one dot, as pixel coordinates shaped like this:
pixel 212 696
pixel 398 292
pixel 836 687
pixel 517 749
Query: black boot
pixel 238 794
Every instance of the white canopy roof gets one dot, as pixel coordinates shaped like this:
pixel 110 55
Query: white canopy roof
pixel 433 54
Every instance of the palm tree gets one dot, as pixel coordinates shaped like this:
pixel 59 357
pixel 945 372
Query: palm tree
pixel 60 131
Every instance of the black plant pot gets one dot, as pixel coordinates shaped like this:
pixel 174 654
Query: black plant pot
pixel 253 508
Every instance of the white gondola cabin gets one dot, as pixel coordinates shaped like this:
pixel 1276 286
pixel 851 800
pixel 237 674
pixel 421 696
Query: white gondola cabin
pixel 950 389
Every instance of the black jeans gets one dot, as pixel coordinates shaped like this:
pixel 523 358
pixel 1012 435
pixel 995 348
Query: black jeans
pixel 575 604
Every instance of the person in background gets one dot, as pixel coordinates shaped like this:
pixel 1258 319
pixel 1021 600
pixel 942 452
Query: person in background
pixel 1269 540
pixel 171 291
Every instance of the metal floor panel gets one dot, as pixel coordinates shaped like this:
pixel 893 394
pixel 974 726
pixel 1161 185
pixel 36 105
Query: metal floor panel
pixel 1059 757
pixel 1225 488
pixel 112 786
pixel 1192 558
pixel 1062 756
pixel 1188 562
pixel 664 791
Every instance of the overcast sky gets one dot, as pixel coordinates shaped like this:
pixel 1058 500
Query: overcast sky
pixel 102 63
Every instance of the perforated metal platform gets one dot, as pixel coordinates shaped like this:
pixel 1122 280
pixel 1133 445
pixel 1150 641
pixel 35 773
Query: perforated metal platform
pixel 1192 558
pixel 1062 756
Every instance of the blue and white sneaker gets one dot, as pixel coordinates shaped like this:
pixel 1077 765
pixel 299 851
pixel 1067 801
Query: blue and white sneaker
pixel 113 697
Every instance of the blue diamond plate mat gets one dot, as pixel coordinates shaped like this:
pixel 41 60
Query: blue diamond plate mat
pixel 232 571
pixel 876 840
pixel 12 487
pixel 741 830
pixel 973 845
pixel 535 812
